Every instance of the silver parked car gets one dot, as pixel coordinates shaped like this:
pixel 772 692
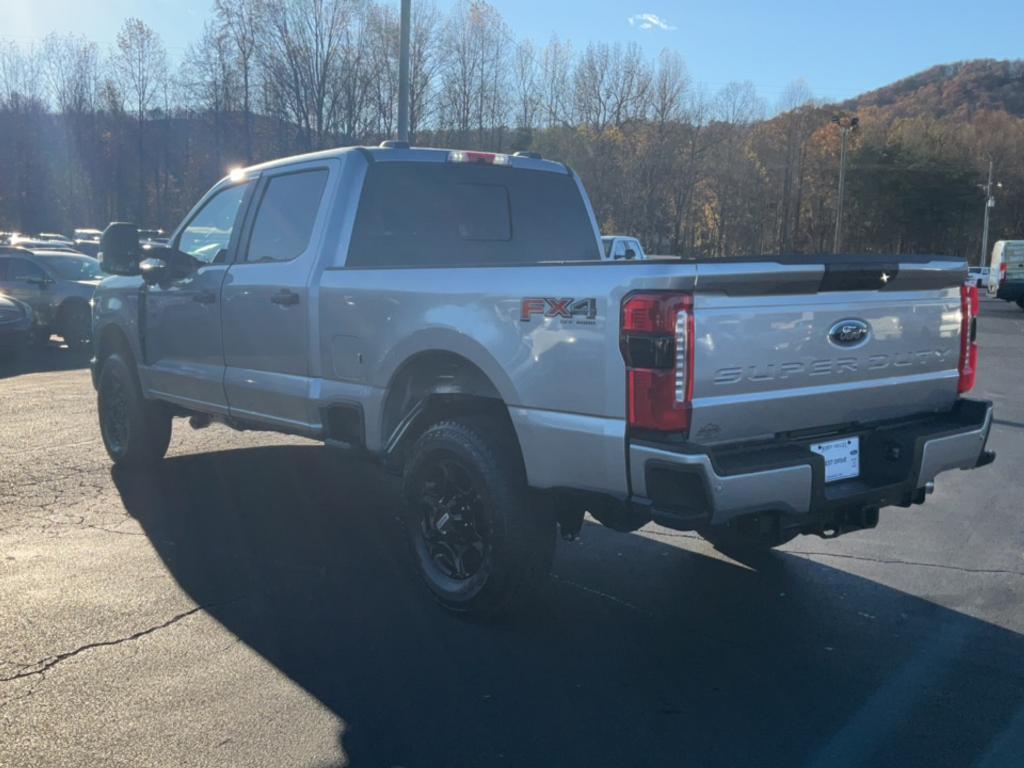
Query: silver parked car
pixel 58 286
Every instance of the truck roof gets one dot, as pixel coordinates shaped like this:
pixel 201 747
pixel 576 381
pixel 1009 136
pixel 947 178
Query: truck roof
pixel 410 154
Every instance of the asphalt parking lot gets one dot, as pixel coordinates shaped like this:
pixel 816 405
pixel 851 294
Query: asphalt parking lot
pixel 251 604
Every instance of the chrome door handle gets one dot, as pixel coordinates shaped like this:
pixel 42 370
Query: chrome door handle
pixel 285 298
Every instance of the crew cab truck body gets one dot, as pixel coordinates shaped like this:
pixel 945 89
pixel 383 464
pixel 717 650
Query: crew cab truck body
pixel 450 315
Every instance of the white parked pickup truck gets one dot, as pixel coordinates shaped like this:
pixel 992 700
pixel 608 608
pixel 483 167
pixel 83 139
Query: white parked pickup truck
pixel 619 248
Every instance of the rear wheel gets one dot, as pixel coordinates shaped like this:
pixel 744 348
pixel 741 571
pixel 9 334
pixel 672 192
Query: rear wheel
pixel 135 431
pixel 478 544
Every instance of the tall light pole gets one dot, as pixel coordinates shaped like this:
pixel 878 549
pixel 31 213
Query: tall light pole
pixel 846 124
pixel 403 72
pixel 990 203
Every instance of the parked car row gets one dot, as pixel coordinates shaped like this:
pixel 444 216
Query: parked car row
pixel 56 285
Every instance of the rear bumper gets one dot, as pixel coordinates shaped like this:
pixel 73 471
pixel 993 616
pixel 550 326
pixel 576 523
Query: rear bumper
pixel 688 488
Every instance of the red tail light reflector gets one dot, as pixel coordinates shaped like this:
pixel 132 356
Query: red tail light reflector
pixel 968 367
pixel 656 340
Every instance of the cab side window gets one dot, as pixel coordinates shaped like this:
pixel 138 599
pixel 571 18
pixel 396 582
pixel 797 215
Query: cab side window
pixel 208 234
pixel 619 249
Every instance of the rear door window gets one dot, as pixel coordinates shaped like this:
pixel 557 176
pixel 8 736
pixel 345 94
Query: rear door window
pixel 286 215
pixel 448 214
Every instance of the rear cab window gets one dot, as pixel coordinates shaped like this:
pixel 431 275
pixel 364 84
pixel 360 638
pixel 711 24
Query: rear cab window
pixel 420 214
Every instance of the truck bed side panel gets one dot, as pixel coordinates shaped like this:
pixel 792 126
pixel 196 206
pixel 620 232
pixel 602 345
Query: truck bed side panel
pixel 561 376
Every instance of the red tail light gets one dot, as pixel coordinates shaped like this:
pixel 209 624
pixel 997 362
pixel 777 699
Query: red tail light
pixel 656 340
pixel 1002 273
pixel 968 333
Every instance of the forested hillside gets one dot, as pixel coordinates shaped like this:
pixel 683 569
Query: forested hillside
pixel 90 135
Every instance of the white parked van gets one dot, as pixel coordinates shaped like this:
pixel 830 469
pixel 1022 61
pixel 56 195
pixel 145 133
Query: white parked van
pixel 1006 272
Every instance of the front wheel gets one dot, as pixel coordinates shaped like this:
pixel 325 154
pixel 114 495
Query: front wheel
pixel 479 545
pixel 135 431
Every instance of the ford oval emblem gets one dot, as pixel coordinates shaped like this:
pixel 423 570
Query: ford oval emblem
pixel 849 333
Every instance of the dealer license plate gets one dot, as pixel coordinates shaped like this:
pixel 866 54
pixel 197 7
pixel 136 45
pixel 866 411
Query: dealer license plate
pixel 842 458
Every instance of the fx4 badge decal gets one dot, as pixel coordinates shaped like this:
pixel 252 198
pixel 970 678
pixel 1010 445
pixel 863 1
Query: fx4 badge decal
pixel 578 310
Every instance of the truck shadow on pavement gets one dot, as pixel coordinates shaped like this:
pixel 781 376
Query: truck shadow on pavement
pixel 641 653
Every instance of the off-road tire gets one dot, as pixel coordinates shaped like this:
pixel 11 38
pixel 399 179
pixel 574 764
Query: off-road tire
pixel 518 538
pixel 136 431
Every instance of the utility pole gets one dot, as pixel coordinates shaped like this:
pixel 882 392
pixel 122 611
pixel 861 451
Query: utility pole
pixel 403 73
pixel 990 203
pixel 846 124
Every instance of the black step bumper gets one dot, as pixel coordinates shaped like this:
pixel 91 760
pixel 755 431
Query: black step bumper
pixel 688 488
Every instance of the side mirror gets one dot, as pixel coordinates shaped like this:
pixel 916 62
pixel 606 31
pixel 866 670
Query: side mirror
pixel 161 262
pixel 119 249
pixel 153 270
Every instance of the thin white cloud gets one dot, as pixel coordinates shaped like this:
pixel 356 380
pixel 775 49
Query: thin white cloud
pixel 649 21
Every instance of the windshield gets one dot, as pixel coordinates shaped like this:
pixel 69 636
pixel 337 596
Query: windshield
pixel 74 267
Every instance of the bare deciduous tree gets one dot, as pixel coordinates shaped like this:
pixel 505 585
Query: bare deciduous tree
pixel 140 67
pixel 243 21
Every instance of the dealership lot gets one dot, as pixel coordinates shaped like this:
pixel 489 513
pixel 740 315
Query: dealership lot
pixel 251 603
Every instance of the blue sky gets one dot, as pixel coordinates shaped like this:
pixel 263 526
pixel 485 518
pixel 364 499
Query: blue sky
pixel 840 49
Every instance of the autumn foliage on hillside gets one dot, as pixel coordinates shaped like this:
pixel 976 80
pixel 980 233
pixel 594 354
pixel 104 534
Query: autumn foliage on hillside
pixel 93 135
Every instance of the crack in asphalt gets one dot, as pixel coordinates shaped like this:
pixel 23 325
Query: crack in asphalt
pixel 865 558
pixel 603 595
pixel 45 665
pixel 918 563
pixel 1007 423
pixel 26 694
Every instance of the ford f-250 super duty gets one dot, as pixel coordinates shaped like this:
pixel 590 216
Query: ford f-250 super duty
pixel 448 313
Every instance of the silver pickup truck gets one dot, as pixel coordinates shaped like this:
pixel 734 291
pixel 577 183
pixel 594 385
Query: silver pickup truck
pixel 449 315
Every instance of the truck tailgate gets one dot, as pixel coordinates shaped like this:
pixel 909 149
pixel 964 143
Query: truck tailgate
pixel 822 346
